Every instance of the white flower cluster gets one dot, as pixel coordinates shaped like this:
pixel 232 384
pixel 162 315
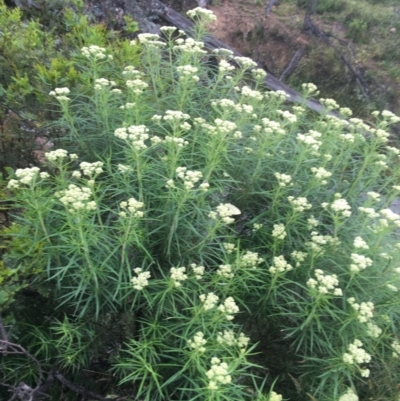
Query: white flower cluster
pixel 373 330
pixel 189 177
pixel 76 198
pixel 375 196
pixel 136 134
pixel 278 95
pixel 273 396
pixel 280 265
pixel 228 308
pixel 369 211
pixel 25 176
pixel 172 115
pixel 356 354
pixel 310 89
pixel 250 259
pixel 137 85
pixel 311 139
pixel 209 301
pixel 279 231
pixel 387 115
pixel 360 262
pixel 317 240
pixel 131 70
pixel 349 396
pixel 198 343
pixel 321 174
pixel 102 83
pixel 225 126
pixel 357 123
pixel 359 243
pixel 389 216
pixel 396 349
pixel 258 73
pixel 299 257
pixel 284 180
pixel 60 94
pixel 348 138
pixel 179 142
pixel 198 271
pixel 127 106
pixel 230 104
pixel 223 212
pixel 151 40
pixel 228 337
pixel 270 127
pixel 330 104
pixel 257 226
pixel 312 222
pixel 204 15
pixel 224 67
pixel 188 72
pixel 132 206
pixel 299 204
pixel 225 271
pixel 94 51
pixel 341 206
pixel 245 62
pixel 218 374
pixel 287 115
pixel 123 168
pixel 142 279
pixel 325 283
pixel 54 155
pixel 222 52
pixel 345 112
pixel 229 248
pixel 92 170
pixel 170 30
pixel 250 93
pixel 189 46
pixel 365 310
pixel 178 275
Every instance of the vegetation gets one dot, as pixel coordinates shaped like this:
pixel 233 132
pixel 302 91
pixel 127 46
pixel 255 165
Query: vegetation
pixel 191 236
pixel 365 32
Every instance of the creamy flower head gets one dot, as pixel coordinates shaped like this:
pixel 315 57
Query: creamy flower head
pixel 202 14
pixel 218 374
pixel 142 279
pixel 224 211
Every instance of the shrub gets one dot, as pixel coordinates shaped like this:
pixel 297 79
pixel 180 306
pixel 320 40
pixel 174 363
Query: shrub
pixel 186 206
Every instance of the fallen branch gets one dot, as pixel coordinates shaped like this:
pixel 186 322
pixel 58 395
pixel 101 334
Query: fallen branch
pixel 293 64
pixel 24 392
pixel 269 7
pixel 313 29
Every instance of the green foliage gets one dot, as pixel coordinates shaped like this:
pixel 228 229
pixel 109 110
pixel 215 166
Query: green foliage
pixel 189 209
pixel 357 30
pixel 46 46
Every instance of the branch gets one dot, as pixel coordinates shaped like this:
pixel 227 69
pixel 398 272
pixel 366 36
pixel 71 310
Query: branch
pixel 269 7
pixel 293 64
pixel 311 27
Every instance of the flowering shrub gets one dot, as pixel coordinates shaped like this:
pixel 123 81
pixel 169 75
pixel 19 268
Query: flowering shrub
pixel 200 205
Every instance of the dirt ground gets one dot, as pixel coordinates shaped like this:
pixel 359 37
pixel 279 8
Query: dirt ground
pixel 244 25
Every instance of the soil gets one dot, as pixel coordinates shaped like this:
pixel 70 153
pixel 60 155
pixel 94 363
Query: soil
pixel 244 25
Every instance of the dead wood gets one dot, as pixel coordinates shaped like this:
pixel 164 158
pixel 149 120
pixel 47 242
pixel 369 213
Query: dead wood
pixel 293 64
pixel 269 7
pixel 311 28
